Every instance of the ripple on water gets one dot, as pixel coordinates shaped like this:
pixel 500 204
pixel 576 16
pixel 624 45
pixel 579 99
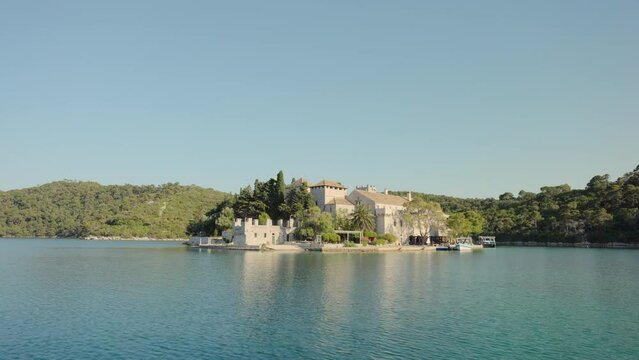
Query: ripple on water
pixel 120 301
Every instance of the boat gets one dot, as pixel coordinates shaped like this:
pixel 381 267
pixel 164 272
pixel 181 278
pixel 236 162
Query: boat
pixel 464 244
pixel 463 247
pixel 488 241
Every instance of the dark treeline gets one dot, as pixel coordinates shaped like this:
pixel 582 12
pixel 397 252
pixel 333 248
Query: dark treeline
pixel 604 211
pixel 80 209
pixel 271 199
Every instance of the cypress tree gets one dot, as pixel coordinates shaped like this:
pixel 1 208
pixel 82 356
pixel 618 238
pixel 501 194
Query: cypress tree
pixel 281 186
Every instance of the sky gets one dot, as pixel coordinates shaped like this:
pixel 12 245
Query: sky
pixel 461 98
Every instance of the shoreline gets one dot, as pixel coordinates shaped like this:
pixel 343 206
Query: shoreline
pixel 607 245
pixel 118 238
pixel 337 248
pixel 333 248
pixel 322 248
pixel 93 238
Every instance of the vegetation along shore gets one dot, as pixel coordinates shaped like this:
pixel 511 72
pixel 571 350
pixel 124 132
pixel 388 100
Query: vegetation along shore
pixel 604 212
pixel 73 209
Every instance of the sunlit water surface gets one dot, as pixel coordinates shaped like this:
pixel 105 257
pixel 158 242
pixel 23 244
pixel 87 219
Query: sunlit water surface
pixel 75 299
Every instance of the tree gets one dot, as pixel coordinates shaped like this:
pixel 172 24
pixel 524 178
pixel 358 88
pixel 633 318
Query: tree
pixel 362 218
pixel 313 222
pixel 262 218
pixel 272 201
pixel 502 221
pixel 506 196
pixel 423 215
pixel 631 178
pixel 330 236
pixel 627 219
pixel 529 218
pixel 225 220
pixel 526 195
pixel 458 224
pixel 298 199
pixel 466 223
pixel 281 187
pixel 555 190
pixel 342 220
pixel 476 220
pixel 247 206
pixel 598 183
pixel 228 201
pixel 597 218
pixel 272 194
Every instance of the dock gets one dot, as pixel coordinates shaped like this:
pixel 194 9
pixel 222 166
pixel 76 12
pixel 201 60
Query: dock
pixel 208 243
pixel 219 244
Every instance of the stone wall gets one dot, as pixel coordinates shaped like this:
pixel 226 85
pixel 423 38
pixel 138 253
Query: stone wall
pixel 250 233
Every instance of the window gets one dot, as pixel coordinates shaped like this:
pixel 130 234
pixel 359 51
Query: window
pixel 255 234
pixel 264 235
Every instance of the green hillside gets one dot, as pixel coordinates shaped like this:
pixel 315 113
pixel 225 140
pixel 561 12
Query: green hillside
pixel 80 209
pixel 604 211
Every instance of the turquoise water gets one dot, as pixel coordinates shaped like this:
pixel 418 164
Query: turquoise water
pixel 74 299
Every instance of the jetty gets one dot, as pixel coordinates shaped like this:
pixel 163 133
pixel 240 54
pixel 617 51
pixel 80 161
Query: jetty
pixel 218 243
pixel 301 246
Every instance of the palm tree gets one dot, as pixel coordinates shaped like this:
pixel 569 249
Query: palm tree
pixel 362 218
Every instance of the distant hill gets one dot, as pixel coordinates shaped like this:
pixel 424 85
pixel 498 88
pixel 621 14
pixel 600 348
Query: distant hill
pixel 79 209
pixel 605 211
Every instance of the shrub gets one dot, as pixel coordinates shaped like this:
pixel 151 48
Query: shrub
pixel 261 219
pixel 330 237
pixel 390 238
pixel 378 242
pixel 349 244
pixel 304 233
pixel 370 234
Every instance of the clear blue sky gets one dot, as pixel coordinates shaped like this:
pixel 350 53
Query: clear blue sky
pixel 464 98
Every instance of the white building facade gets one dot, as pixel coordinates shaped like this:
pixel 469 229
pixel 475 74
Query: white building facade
pixel 331 197
pixel 388 209
pixel 250 233
pixel 325 192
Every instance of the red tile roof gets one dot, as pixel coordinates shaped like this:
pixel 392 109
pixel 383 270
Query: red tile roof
pixel 324 183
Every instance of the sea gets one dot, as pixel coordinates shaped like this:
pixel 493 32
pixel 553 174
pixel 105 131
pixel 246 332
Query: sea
pixel 79 299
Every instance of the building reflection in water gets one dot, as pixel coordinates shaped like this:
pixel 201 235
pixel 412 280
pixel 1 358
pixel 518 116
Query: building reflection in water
pixel 326 293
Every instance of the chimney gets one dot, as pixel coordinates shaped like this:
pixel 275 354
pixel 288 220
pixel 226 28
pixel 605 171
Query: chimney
pixel 410 196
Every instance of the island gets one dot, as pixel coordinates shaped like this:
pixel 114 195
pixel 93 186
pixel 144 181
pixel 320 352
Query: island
pixel 603 214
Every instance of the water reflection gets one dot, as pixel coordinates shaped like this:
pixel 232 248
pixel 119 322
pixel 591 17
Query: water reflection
pixel 331 296
pixel 67 299
pixel 258 281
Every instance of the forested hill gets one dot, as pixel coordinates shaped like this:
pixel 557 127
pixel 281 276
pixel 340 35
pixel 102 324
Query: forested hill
pixel 80 209
pixel 604 211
